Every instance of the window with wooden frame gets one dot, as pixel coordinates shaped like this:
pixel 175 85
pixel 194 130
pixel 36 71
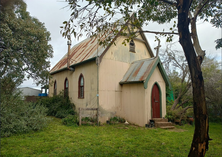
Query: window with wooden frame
pixel 55 88
pixel 81 87
pixel 132 46
pixel 66 88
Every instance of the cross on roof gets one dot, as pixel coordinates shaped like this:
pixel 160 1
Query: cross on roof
pixel 157 47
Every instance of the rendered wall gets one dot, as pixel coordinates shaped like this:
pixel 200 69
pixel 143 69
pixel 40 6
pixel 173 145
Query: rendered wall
pixel 113 66
pixel 133 103
pixel 89 71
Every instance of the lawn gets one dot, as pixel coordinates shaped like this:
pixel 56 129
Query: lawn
pixel 108 140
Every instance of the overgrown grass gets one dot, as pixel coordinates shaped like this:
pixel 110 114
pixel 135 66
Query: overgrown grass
pixel 108 140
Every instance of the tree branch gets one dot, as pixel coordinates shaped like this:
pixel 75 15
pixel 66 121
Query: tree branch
pixel 185 101
pixel 168 2
pixel 200 7
pixel 154 32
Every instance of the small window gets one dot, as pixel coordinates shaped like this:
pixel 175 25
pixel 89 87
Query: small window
pixel 81 87
pixel 132 46
pixel 66 88
pixel 55 89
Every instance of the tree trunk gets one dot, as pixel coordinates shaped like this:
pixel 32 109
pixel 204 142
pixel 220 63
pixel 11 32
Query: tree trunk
pixel 200 138
pixel 176 101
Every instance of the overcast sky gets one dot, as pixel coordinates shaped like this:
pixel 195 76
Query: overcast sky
pixel 53 13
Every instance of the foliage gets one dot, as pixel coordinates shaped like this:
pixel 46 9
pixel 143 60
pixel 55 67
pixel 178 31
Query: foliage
pixel 117 120
pixel 178 114
pixel 58 105
pixel 89 121
pixel 212 81
pixel 70 120
pixel 18 116
pixel 24 47
pixel 108 140
pixel 95 16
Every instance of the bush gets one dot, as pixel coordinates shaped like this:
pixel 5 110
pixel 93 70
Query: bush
pixel 70 120
pixel 58 106
pixel 170 115
pixel 174 115
pixel 18 116
pixel 117 120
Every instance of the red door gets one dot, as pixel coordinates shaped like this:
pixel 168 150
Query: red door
pixel 155 102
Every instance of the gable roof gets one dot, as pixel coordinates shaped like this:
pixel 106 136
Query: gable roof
pixel 142 70
pixel 87 51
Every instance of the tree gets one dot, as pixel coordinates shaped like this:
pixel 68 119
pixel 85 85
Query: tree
pixel 88 17
pixel 24 45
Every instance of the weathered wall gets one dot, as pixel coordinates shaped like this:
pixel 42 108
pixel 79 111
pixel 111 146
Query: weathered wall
pixel 89 71
pixel 113 66
pixel 155 78
pixel 133 103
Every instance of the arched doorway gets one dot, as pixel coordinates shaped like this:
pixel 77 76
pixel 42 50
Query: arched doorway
pixel 155 100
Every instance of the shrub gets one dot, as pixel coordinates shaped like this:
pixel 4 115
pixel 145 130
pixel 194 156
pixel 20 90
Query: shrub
pixel 18 116
pixel 117 120
pixel 58 106
pixel 70 120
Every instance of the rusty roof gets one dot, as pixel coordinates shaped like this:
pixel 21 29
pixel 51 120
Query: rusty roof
pixel 138 70
pixel 85 50
pixel 141 71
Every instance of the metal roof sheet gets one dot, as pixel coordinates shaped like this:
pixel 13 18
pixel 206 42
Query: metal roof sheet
pixel 85 50
pixel 139 70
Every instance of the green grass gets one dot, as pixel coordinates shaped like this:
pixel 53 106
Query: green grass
pixel 108 140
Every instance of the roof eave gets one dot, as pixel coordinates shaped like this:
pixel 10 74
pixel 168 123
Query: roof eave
pixel 73 65
pixel 130 82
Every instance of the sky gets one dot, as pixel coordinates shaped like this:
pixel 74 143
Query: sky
pixel 53 12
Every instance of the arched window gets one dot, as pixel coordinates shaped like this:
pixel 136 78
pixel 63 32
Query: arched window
pixel 66 88
pixel 132 46
pixel 81 86
pixel 55 88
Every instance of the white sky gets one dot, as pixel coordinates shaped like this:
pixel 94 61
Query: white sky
pixel 53 13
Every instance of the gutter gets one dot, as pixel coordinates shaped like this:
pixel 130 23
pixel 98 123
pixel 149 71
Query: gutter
pixel 130 82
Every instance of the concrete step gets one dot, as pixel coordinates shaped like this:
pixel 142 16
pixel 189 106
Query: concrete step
pixel 162 124
pixel 167 127
pixel 159 120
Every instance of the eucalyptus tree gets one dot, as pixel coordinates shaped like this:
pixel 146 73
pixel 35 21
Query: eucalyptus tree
pixel 95 17
pixel 24 45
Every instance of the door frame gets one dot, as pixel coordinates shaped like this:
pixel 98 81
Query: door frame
pixel 160 99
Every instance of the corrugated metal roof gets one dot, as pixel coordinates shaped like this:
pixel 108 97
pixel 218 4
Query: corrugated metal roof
pixel 85 50
pixel 139 70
